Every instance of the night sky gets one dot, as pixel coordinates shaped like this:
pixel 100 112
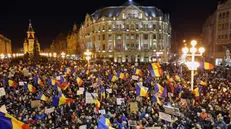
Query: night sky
pixel 51 17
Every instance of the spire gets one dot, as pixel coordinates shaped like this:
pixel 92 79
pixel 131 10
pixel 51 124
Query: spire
pixel 30 29
pixel 74 27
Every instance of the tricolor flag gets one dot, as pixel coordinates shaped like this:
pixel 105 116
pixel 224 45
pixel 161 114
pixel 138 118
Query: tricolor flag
pixel 121 76
pixel 177 78
pixel 60 100
pixel 156 100
pixel 30 87
pixel 42 97
pixel 79 81
pixel 97 103
pixel 203 83
pixel 102 93
pixel 40 82
pixel 196 92
pixel 9 122
pixel 12 83
pixel 206 66
pixel 138 72
pixel 159 88
pixel 141 91
pixel 165 92
pixel 104 123
pixel 113 78
pixel 155 70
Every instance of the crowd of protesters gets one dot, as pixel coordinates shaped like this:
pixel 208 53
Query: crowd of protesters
pixel 210 110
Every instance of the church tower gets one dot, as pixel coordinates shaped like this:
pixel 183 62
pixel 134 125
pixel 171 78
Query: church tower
pixel 31 41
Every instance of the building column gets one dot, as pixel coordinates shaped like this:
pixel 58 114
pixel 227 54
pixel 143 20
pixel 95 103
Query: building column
pixel 142 41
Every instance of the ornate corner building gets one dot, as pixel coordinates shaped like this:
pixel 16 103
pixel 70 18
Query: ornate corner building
pixel 216 34
pixel 5 45
pixel 31 42
pixel 127 33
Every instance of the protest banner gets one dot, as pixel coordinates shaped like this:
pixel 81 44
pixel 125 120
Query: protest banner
pixel 102 111
pixel 136 78
pixel 133 106
pixel 89 98
pixel 35 104
pixel 49 110
pixel 119 101
pixel 2 92
pixel 172 110
pixel 109 90
pixel 83 127
pixel 165 116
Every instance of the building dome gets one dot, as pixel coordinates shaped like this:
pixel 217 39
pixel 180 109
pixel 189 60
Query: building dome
pixel 114 11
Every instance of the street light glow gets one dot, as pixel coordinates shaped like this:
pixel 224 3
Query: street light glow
pixel 193 43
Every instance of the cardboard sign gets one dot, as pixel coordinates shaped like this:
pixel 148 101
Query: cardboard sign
pixel 131 123
pixel 109 90
pixel 165 116
pixel 79 92
pixel 120 101
pixel 172 110
pixel 3 109
pixel 2 92
pixel 133 106
pixel 136 78
pixel 102 111
pixel 49 110
pixel 35 104
pixel 26 72
pixel 83 127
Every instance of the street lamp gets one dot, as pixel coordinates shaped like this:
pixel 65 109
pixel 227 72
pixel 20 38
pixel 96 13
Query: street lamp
pixel 192 65
pixel 63 54
pixel 88 56
pixel 2 56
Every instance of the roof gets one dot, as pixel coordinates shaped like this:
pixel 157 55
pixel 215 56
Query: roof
pixel 114 11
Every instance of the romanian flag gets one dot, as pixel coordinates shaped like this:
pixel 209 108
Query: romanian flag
pixel 121 76
pixel 104 123
pixel 203 83
pixel 60 100
pixel 99 80
pixel 102 93
pixel 177 78
pixel 30 87
pixel 165 93
pixel 79 81
pixel 206 66
pixel 9 122
pixel 12 83
pixel 106 73
pixel 113 78
pixel 57 88
pixel 97 103
pixel 156 99
pixel 159 88
pixel 155 70
pixel 141 91
pixel 169 79
pixel 40 82
pixel 87 72
pixel 138 72
pixel 196 92
pixel 42 97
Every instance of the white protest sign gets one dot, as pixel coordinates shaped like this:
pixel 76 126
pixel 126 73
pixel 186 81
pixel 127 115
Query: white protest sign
pixel 89 98
pixel 136 78
pixel 83 127
pixel 109 90
pixel 49 110
pixel 26 72
pixel 79 92
pixel 3 109
pixel 172 110
pixel 120 101
pixel 21 83
pixel 2 92
pixel 165 116
pixel 102 111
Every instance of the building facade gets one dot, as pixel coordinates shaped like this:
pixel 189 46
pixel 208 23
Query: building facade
pixel 5 45
pixel 72 41
pixel 216 34
pixel 127 33
pixel 31 42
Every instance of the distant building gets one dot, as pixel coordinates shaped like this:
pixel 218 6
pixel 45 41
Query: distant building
pixel 5 45
pixel 216 35
pixel 72 41
pixel 127 33
pixel 31 42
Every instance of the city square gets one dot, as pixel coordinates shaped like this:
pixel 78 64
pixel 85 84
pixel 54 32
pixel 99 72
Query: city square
pixel 122 66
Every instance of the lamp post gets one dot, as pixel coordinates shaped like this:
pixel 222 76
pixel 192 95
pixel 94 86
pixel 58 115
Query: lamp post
pixel 63 54
pixel 193 65
pixel 88 56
